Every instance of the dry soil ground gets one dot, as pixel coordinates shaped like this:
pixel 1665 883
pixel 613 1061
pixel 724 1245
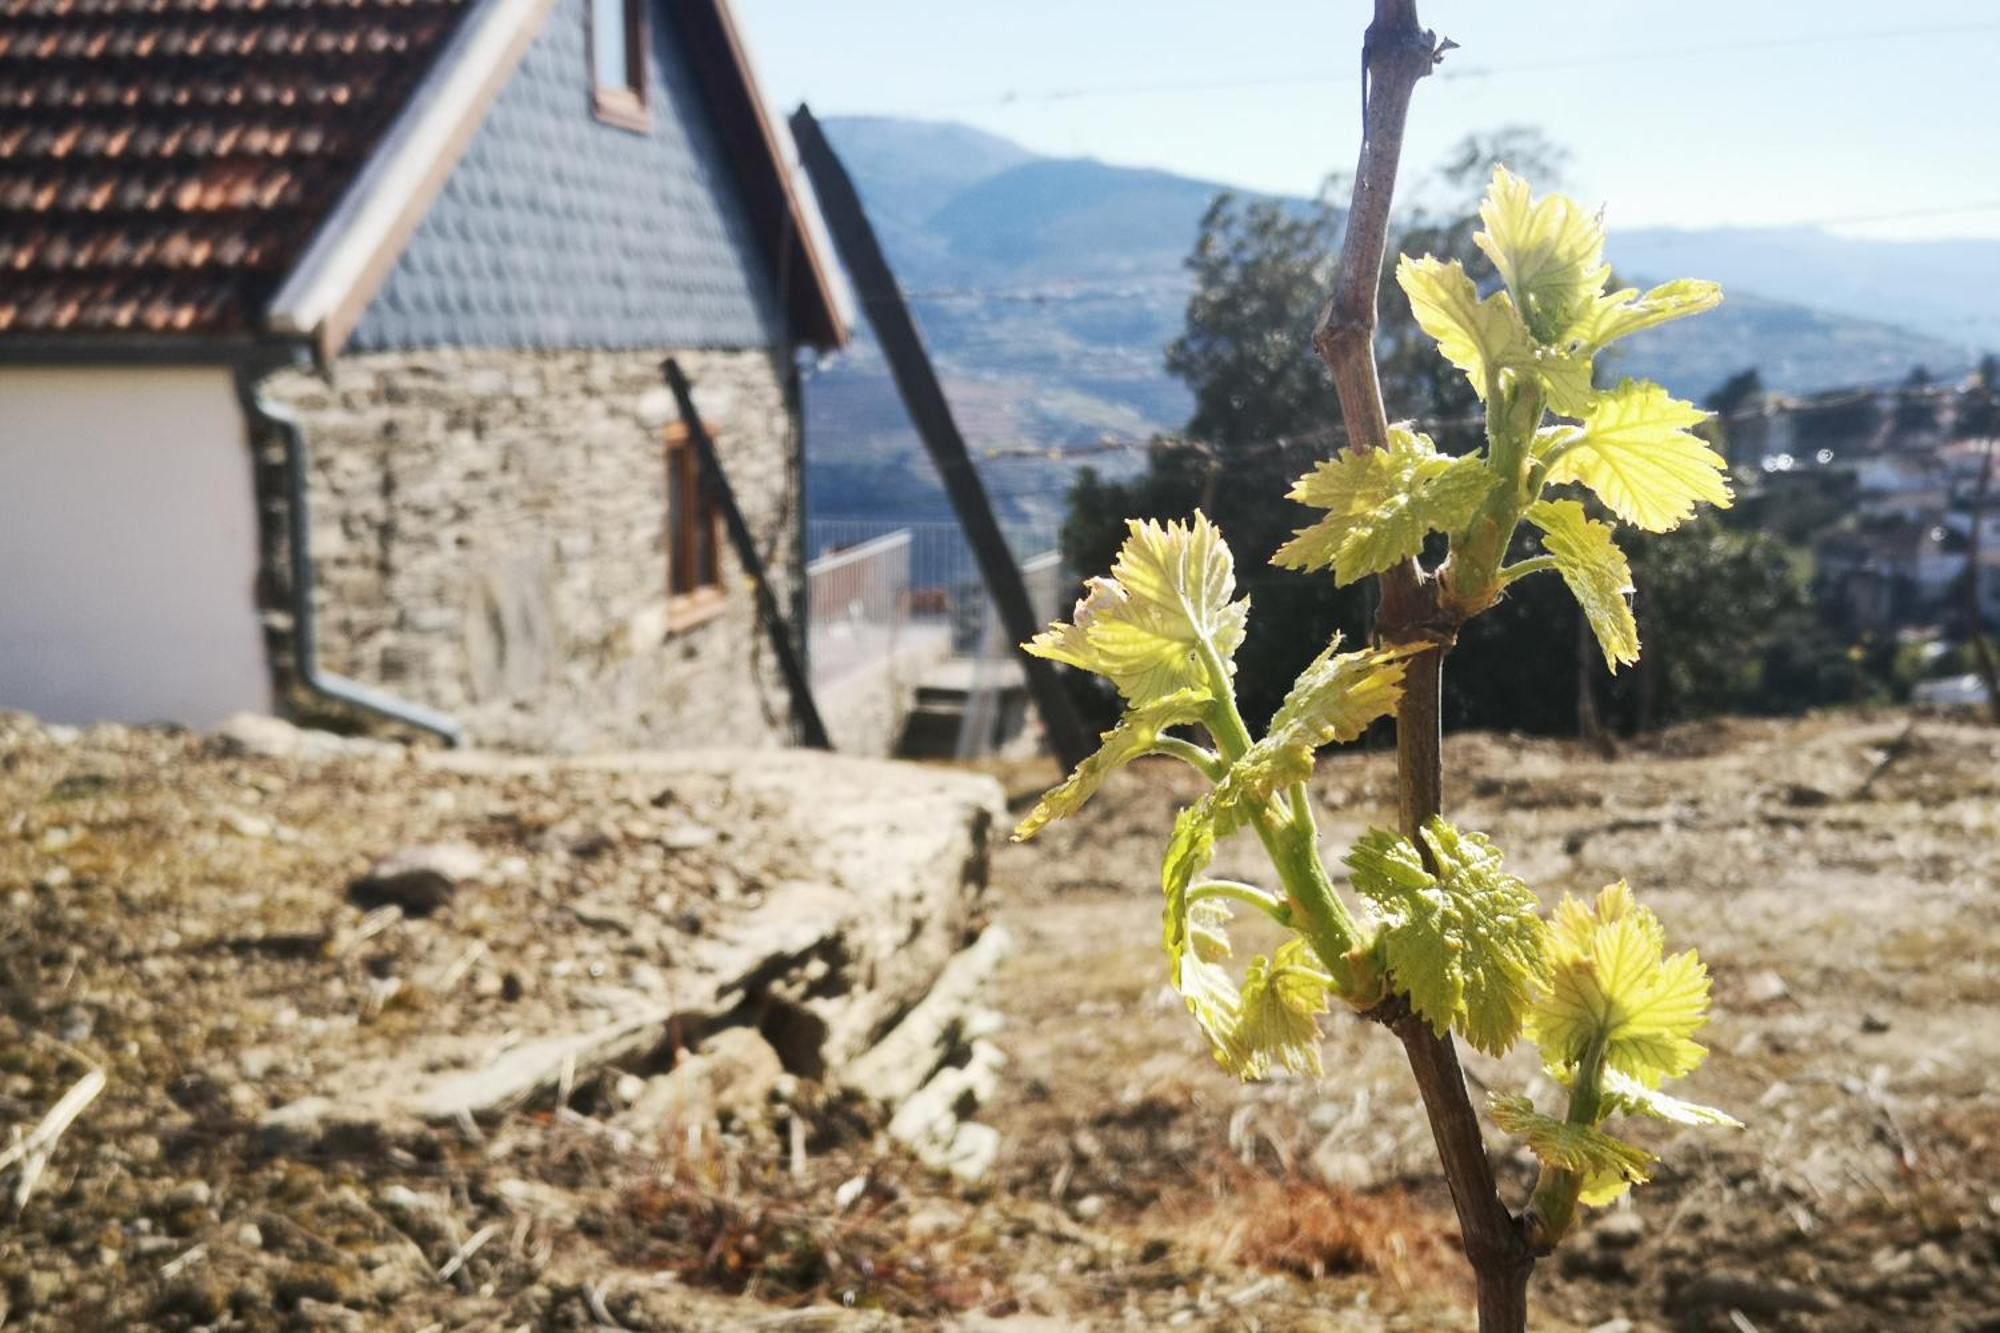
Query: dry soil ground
pixel 1842 879
pixel 1840 876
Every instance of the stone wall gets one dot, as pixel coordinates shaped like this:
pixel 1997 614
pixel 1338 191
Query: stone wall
pixel 488 532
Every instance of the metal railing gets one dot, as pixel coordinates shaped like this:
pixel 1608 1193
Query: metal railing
pixel 869 582
pixel 857 601
pixel 944 578
pixel 941 590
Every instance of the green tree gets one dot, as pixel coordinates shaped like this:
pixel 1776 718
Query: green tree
pixel 1719 606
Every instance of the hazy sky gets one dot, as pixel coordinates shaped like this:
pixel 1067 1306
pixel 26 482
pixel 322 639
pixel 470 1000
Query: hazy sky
pixel 1677 112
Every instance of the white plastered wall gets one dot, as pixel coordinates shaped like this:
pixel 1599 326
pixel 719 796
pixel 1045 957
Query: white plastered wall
pixel 128 547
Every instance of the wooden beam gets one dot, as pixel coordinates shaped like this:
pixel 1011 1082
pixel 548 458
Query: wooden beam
pixel 777 213
pixel 930 412
pixel 805 713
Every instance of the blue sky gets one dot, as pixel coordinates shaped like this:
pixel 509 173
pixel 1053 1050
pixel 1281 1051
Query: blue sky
pixel 1676 112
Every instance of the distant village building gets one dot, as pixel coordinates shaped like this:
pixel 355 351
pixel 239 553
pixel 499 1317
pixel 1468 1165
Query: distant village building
pixel 406 271
pixel 1900 558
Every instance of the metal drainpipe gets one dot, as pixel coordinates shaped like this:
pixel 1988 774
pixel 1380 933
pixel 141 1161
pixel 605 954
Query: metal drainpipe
pixel 298 534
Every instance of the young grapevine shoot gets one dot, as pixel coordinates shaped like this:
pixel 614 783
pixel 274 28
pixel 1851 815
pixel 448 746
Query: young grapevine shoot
pixel 1444 928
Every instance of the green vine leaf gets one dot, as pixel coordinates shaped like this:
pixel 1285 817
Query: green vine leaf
pixel 1283 999
pixel 1143 628
pixel 1211 996
pixel 1611 982
pixel 1480 337
pixel 1624 313
pixel 1208 930
pixel 1337 698
pixel 1549 251
pixel 1196 938
pixel 1466 945
pixel 1567 379
pixel 1605 1163
pixel 1381 504
pixel 1272 1022
pixel 1597 574
pixel 1189 851
pixel 1625 1095
pixel 1137 734
pixel 1637 454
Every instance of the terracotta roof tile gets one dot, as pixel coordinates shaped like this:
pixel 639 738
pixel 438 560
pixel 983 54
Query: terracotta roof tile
pixel 164 162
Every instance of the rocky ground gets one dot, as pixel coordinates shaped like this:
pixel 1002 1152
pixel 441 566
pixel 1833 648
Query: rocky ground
pixel 588 1080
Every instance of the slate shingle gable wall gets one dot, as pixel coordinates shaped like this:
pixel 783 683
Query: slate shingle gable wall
pixel 557 230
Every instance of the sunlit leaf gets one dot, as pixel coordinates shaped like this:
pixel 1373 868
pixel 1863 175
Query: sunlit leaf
pixel 1549 251
pixel 1600 1189
pixel 1134 736
pixel 1334 699
pixel 1278 1027
pixel 1583 1149
pixel 1628 1096
pixel 1381 503
pixel 1612 984
pixel 1637 453
pixel 1210 994
pixel 1623 313
pixel 1596 572
pixel 1566 379
pixel 1208 929
pixel 1189 850
pixel 1480 337
pixel 1195 938
pixel 1142 628
pixel 1485 338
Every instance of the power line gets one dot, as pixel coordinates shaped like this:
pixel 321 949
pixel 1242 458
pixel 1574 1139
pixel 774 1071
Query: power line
pixel 1105 288
pixel 1323 78
pixel 1900 215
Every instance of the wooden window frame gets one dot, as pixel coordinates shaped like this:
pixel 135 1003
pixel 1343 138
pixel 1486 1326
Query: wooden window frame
pixel 697 602
pixel 624 105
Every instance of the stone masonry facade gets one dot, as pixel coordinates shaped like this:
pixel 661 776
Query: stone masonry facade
pixel 488 529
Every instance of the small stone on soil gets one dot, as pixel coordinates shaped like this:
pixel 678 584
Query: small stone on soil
pixel 420 880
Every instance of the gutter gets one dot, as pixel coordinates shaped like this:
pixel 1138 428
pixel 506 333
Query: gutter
pixel 352 694
pixel 59 350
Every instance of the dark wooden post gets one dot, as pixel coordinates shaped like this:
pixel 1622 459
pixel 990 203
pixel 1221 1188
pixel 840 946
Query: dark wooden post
pixel 805 713
pixel 923 398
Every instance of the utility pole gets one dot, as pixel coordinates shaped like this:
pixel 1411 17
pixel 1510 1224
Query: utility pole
pixel 923 397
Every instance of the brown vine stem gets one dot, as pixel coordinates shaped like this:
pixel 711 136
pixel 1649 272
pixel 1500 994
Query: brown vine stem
pixel 1398 52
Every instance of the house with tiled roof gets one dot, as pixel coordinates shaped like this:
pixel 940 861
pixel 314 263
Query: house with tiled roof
pixel 330 348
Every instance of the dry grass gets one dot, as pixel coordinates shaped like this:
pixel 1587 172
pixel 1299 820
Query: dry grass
pixel 741 1227
pixel 1299 1226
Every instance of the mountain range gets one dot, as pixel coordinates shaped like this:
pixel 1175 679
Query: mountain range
pixel 1048 288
